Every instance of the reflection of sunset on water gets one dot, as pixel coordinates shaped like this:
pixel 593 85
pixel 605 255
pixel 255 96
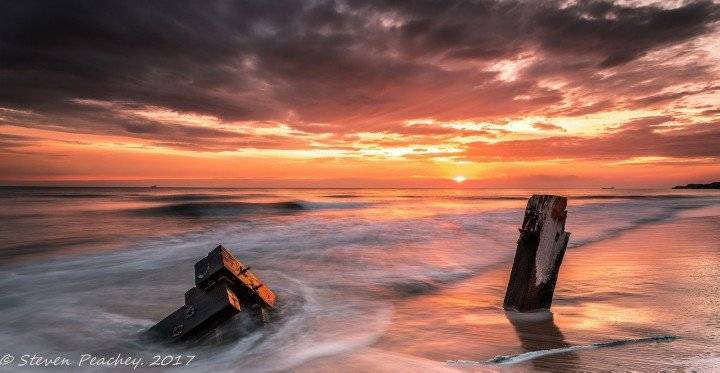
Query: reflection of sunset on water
pixel 372 161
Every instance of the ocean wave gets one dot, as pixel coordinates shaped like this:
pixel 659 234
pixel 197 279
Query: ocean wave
pixel 584 197
pixel 525 197
pixel 219 209
pixel 519 358
pixel 491 198
pixel 230 208
pixel 589 223
pixel 335 205
pixel 435 279
pixel 634 196
pixel 187 197
pixel 74 195
pixel 413 287
pixel 595 223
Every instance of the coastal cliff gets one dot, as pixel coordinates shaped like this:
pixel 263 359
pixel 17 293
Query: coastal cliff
pixel 715 185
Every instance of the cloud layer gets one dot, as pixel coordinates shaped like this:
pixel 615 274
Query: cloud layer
pixel 320 74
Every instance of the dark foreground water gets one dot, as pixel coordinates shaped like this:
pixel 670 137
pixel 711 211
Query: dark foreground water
pixel 85 270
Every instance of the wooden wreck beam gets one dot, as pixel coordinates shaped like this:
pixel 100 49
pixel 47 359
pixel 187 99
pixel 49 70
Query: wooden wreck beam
pixel 540 250
pixel 223 288
pixel 221 265
pixel 201 312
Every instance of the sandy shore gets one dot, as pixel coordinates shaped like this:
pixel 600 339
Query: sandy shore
pixel 657 280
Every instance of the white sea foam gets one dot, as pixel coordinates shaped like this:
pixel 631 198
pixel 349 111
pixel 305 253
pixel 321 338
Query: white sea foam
pixel 519 358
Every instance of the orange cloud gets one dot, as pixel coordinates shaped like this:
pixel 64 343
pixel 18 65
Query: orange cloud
pixel 497 91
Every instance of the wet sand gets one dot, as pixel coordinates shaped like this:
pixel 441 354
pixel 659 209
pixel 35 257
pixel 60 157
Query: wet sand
pixel 656 280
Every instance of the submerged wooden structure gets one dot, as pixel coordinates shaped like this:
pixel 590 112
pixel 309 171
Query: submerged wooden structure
pixel 223 288
pixel 539 253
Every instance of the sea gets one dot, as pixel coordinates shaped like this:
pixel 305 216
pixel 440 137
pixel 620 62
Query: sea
pixel 85 271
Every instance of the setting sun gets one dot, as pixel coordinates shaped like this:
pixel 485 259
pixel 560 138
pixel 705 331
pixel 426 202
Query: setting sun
pixel 153 147
pixel 396 103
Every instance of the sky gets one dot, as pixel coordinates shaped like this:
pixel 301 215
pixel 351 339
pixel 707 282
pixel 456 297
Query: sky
pixel 360 93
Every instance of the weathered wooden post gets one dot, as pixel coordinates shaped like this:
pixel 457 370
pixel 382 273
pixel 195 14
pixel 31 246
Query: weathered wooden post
pixel 540 250
pixel 223 288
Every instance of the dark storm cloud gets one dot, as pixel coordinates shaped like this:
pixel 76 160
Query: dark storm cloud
pixel 620 34
pixel 157 53
pixel 613 34
pixel 359 65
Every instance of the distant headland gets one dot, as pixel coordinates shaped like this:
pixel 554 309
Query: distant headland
pixel 715 185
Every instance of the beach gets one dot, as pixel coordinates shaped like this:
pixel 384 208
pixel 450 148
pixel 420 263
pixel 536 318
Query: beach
pixel 654 281
pixel 367 280
pixel 360 186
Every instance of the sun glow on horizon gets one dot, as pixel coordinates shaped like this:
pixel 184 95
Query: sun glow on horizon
pixel 382 101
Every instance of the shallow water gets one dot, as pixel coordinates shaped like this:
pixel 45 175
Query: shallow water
pixel 84 270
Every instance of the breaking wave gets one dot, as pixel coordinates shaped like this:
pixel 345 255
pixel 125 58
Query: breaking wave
pixel 233 208
pixel 331 270
pixel 519 358
pixel 634 196
pixel 219 209
pixel 187 197
pixel 575 198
